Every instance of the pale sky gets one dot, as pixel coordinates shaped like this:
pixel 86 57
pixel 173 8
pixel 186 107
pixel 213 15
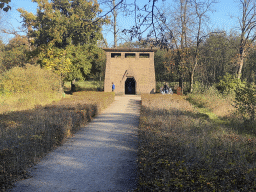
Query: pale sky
pixel 219 19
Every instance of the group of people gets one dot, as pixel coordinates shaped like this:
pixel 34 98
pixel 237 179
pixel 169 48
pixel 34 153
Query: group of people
pixel 166 89
pixel 163 90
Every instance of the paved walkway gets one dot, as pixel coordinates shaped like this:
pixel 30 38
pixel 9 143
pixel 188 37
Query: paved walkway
pixel 101 157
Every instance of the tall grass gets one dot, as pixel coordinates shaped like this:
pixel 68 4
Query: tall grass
pixel 210 98
pixel 183 149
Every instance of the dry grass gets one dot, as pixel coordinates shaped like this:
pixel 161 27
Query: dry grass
pixel 220 105
pixel 22 101
pixel 181 149
pixel 26 136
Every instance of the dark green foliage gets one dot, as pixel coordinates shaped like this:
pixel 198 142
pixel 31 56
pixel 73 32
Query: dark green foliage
pixel 14 53
pixel 249 70
pixel 228 84
pixel 217 57
pixel 66 34
pixel 245 102
pixel 159 66
pixel 165 66
pixel 98 65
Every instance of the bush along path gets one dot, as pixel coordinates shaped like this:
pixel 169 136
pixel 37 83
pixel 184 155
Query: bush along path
pixel 100 157
pixel 28 135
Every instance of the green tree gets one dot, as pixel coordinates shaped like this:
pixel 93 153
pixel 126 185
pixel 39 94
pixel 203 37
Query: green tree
pixel 14 53
pixel 98 65
pixel 217 57
pixel 159 61
pixel 65 33
pixel 250 66
pixel 1 56
pixel 245 102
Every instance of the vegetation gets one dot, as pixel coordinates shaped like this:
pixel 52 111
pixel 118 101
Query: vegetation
pixel 186 148
pixel 25 87
pixel 65 35
pixel 26 136
pixel 245 102
pixel 86 86
pixel 203 142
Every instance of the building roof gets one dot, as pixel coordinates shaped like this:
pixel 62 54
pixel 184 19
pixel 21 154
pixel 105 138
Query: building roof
pixel 130 49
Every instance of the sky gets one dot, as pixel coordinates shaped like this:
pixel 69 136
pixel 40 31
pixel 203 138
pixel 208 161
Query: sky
pixel 220 19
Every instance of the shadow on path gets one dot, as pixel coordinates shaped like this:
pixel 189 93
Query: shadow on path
pixel 100 157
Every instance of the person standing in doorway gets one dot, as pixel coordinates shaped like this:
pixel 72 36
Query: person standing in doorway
pixel 113 87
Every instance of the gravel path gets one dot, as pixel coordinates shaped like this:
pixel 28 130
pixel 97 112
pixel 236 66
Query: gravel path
pixel 100 157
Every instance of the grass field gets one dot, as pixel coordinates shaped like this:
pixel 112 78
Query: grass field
pixel 24 101
pixel 86 85
pixel 27 135
pixel 186 148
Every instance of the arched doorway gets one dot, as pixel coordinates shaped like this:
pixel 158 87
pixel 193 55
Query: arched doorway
pixel 130 86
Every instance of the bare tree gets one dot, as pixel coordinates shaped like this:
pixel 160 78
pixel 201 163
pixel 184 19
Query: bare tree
pixel 148 20
pixel 187 28
pixel 201 10
pixel 185 16
pixel 115 7
pixel 247 30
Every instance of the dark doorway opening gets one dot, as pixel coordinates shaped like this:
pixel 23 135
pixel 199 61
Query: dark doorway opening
pixel 130 85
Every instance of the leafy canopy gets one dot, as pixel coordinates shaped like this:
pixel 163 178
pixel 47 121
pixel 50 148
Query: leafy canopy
pixel 65 33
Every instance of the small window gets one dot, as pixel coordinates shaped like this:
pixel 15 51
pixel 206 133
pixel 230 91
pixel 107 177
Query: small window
pixel 129 55
pixel 115 55
pixel 144 55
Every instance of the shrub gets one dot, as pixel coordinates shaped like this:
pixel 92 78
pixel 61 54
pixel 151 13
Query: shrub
pixel 27 136
pixel 25 87
pixel 29 79
pixel 245 102
pixel 199 87
pixel 228 84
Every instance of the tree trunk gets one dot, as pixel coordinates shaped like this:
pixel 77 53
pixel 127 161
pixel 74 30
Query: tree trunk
pixel 181 84
pixel 192 75
pixel 241 63
pixel 191 82
pixel 115 32
pixel 73 87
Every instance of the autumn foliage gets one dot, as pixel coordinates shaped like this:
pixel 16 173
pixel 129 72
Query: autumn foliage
pixel 24 87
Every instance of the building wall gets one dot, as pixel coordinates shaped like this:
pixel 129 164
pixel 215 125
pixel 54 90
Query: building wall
pixel 119 68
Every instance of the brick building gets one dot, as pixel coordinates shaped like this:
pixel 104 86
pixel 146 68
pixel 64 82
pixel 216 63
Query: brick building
pixel 131 70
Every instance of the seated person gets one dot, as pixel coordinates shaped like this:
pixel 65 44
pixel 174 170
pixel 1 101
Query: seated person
pixel 166 88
